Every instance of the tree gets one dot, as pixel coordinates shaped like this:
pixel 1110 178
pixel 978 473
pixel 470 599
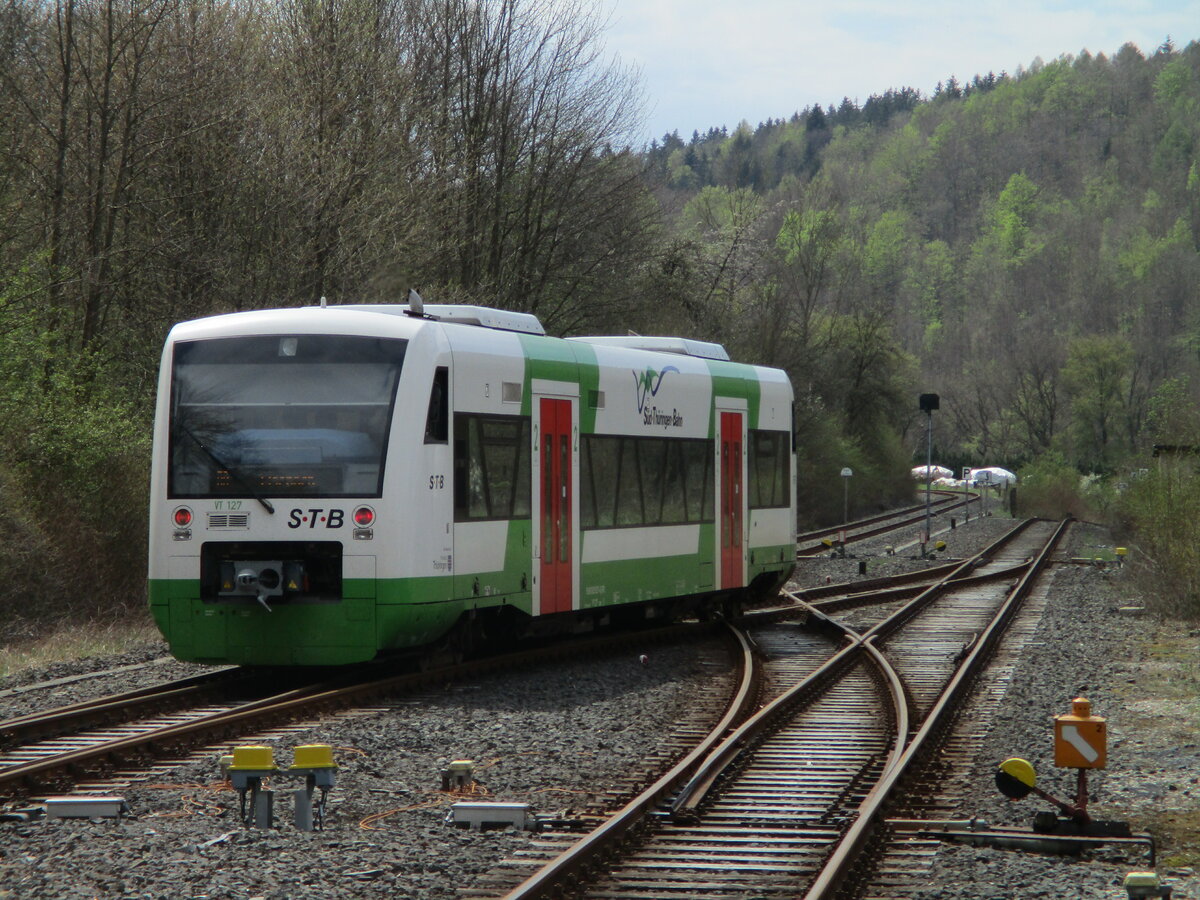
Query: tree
pixel 808 242
pixel 531 196
pixel 1096 375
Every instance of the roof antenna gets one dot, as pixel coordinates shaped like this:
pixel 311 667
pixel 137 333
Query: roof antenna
pixel 322 301
pixel 416 306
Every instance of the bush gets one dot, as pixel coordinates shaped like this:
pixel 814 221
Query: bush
pixel 1161 511
pixel 74 463
pixel 880 478
pixel 1051 488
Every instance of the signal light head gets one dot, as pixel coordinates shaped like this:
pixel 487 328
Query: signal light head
pixel 364 517
pixel 182 517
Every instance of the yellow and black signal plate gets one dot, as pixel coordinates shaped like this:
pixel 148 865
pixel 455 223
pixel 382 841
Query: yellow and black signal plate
pixel 1015 778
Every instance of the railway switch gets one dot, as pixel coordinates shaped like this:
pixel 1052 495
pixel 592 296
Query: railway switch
pixel 459 775
pixel 251 764
pixel 1080 744
pixel 315 763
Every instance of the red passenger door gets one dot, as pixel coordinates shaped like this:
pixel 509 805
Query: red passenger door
pixel 555 455
pixel 731 494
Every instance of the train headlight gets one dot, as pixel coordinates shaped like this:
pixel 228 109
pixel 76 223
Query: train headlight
pixel 182 517
pixel 364 517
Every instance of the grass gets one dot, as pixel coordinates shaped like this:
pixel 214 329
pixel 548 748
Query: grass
pixel 1179 830
pixel 72 641
pixel 1169 678
pixel 1100 552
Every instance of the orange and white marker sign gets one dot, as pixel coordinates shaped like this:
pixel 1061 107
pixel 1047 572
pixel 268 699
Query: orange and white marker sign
pixel 1080 739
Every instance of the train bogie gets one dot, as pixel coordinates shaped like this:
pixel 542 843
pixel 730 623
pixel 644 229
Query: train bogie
pixel 333 483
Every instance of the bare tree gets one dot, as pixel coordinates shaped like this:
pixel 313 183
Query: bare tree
pixel 532 197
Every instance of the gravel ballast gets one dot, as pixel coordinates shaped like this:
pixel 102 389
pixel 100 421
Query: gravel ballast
pixel 550 737
pixel 554 736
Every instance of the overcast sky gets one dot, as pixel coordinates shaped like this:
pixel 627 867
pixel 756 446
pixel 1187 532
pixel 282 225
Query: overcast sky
pixel 716 62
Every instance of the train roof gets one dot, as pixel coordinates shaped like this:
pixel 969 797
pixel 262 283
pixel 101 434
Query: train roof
pixel 681 346
pixel 480 316
pixel 458 314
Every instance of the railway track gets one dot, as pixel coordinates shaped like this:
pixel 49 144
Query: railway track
pixel 790 803
pixel 795 654
pixel 814 543
pixel 54 749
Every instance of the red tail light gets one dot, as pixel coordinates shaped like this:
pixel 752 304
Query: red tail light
pixel 182 517
pixel 364 517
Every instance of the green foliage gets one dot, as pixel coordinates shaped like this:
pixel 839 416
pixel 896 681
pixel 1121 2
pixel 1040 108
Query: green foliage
pixel 1175 413
pixel 881 470
pixel 1176 80
pixel 1144 251
pixel 1013 217
pixel 806 234
pixel 1096 374
pixel 1050 487
pixel 1162 510
pixel 74 453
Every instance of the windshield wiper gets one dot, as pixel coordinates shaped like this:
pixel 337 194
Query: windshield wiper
pixel 233 473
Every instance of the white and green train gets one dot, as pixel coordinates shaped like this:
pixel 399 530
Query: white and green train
pixel 331 483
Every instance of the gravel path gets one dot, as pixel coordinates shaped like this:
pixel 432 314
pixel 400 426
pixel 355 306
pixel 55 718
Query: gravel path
pixel 551 736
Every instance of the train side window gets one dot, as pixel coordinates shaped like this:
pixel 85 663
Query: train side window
pixel 652 453
pixel 491 467
pixel 674 504
pixel 601 462
pixel 627 481
pixel 522 504
pixel 629 485
pixel 769 475
pixel 587 488
pixel 501 446
pixel 698 478
pixel 437 420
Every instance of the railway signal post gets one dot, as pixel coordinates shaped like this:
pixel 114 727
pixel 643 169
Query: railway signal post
pixel 928 403
pixel 1080 742
pixel 847 474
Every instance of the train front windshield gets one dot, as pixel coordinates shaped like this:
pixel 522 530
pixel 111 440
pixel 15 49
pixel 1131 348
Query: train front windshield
pixel 282 415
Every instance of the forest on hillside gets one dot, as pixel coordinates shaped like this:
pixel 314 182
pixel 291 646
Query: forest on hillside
pixel 1023 244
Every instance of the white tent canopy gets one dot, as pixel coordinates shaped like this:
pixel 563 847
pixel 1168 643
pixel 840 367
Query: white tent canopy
pixel 929 473
pixel 991 476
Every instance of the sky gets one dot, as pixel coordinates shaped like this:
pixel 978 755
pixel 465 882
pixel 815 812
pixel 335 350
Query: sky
pixel 709 63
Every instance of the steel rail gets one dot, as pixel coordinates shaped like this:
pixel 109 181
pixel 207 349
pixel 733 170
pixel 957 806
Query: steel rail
pixel 566 867
pixel 850 847
pixel 693 793
pixel 687 802
pixel 311 698
pixel 910 609
pixel 88 713
pixel 943 498
pixel 808 549
pixel 963 569
pixel 564 873
pixel 886 594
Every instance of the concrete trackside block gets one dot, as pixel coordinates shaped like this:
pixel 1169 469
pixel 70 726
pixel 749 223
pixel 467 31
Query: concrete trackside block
pixel 479 815
pixel 85 806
